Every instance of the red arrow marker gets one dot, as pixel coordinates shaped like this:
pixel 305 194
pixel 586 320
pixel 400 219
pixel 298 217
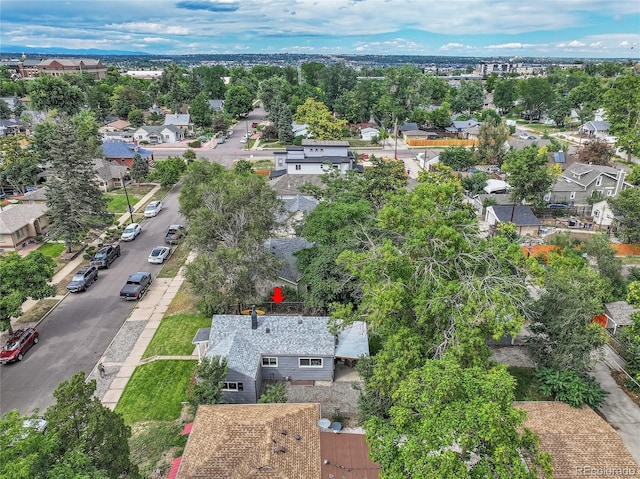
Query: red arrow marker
pixel 277 295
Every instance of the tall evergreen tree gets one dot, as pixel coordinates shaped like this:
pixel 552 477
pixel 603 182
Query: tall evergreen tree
pixel 74 199
pixel 139 168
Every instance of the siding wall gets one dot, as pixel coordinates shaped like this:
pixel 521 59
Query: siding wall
pixel 247 396
pixel 288 367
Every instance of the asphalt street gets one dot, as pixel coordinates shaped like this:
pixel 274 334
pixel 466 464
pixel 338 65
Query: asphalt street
pixel 75 335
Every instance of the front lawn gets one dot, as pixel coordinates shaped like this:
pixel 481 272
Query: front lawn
pixel 117 203
pixel 156 391
pixel 174 335
pixel 52 250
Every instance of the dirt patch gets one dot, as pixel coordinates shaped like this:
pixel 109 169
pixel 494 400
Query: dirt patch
pixel 37 312
pixel 336 399
pixel 620 377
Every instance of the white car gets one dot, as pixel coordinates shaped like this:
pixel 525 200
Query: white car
pixel 152 209
pixel 159 254
pixel 131 232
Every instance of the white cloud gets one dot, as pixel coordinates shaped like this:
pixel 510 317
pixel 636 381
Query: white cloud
pixel 143 27
pixel 502 46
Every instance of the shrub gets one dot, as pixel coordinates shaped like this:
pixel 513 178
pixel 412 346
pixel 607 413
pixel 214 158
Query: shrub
pixel 195 144
pixel 274 393
pixel 567 385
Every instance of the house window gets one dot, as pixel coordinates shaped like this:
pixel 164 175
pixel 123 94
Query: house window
pixel 233 387
pixel 599 181
pixel 270 362
pixel 596 213
pixel 572 196
pixel 609 192
pixel 298 167
pixel 547 197
pixel 310 362
pixel 279 161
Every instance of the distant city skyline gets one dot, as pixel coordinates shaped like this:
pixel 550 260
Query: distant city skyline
pixel 468 28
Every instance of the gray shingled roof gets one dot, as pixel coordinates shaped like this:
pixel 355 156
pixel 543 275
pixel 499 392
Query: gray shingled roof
pixel 177 119
pixel 105 170
pixel 158 129
pixel 231 336
pixel 17 216
pixel 522 215
pixel 310 142
pixel 336 160
pixel 289 184
pixel 620 312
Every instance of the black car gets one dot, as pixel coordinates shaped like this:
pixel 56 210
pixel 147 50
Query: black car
pixel 83 278
pixel 105 256
pixel 136 286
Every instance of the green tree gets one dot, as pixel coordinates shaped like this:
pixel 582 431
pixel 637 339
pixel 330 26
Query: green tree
pixel 336 80
pixel 80 422
pixel 536 95
pixel 441 116
pixel 454 422
pixel 311 73
pixel 468 98
pixel 238 101
pixel 168 172
pixel 563 335
pixel 458 158
pixel 19 166
pixel 200 111
pixel 475 183
pixel 559 111
pixel 136 118
pixel 491 142
pixel 271 91
pixel 275 393
pixel 622 103
pixel 54 93
pixel 86 128
pixel 210 374
pixel 596 152
pixel 529 174
pixel 74 199
pixel 5 110
pixel 139 168
pixel 230 214
pixel 124 99
pixel 627 206
pixel 22 278
pixel 322 124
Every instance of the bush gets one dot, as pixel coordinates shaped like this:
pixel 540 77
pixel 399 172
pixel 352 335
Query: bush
pixel 274 393
pixel 569 386
pixel 195 144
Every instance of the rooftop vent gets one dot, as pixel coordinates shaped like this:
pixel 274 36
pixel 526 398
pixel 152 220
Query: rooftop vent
pixel 267 330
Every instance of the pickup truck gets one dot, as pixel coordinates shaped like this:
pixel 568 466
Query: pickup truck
pixel 136 287
pixel 175 234
pixel 105 256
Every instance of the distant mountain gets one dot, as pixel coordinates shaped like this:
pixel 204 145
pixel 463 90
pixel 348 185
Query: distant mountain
pixel 16 51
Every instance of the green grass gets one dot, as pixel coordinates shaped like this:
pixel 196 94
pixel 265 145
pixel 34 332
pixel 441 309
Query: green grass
pixel 262 165
pixel 156 391
pixel 52 250
pixel 174 263
pixel 117 203
pixel 526 384
pixel 174 335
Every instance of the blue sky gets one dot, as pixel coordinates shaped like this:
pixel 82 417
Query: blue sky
pixel 479 28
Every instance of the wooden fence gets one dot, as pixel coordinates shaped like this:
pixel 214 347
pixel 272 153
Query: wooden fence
pixel 441 143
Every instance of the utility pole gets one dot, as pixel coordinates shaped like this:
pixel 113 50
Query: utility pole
pixel 127 196
pixel 395 131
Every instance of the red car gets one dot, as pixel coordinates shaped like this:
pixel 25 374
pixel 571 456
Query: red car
pixel 18 344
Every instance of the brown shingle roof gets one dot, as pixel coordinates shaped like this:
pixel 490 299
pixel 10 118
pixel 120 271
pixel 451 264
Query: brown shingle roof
pixel 243 441
pixel 580 442
pixel 346 456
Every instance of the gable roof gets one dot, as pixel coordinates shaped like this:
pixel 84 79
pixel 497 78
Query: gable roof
pixel 231 337
pixel 119 124
pixel 105 170
pixel 522 215
pixel 158 129
pixel 596 125
pixel 620 312
pixel 119 149
pixel 16 216
pixel 177 119
pixel 464 124
pixel 579 440
pixel 290 184
pixel 408 127
pixel 216 104
pixel 584 174
pixel 254 441
pixel 346 456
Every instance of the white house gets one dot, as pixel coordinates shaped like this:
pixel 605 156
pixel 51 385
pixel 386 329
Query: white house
pixel 602 214
pixel 314 157
pixel 158 134
pixel 182 121
pixel 369 134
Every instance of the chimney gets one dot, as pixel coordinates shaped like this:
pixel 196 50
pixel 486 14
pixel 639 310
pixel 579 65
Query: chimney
pixel 254 317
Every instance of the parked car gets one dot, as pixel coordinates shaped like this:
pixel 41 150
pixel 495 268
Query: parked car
pixel 556 205
pixel 159 254
pixel 221 140
pixel 131 232
pixel 105 256
pixel 152 209
pixel 83 278
pixel 494 169
pixel 175 234
pixel 18 344
pixel 136 286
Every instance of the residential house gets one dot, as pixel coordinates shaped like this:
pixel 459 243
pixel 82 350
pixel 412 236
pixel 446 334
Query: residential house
pixel 216 105
pixel 109 175
pixel 561 158
pixel 527 224
pixel 115 125
pixel 314 157
pixel 285 249
pixel 276 348
pixel 581 182
pixel 463 128
pixel 581 443
pixel 595 129
pixel 410 126
pixel 619 314
pixel 11 127
pixel 180 120
pixel 270 441
pixel 368 134
pixel 22 222
pixel 288 187
pixel 156 135
pixel 516 144
pixel 603 215
pixel 296 208
pixel 35 196
pixel 410 136
pixel 301 129
pixel 122 153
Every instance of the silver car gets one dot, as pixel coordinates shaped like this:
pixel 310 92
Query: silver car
pixel 131 232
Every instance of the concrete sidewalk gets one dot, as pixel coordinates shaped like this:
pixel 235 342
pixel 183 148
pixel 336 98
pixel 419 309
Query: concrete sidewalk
pixel 125 352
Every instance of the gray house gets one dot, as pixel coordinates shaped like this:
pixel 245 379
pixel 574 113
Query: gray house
pixel 314 157
pixel 580 182
pixel 276 348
